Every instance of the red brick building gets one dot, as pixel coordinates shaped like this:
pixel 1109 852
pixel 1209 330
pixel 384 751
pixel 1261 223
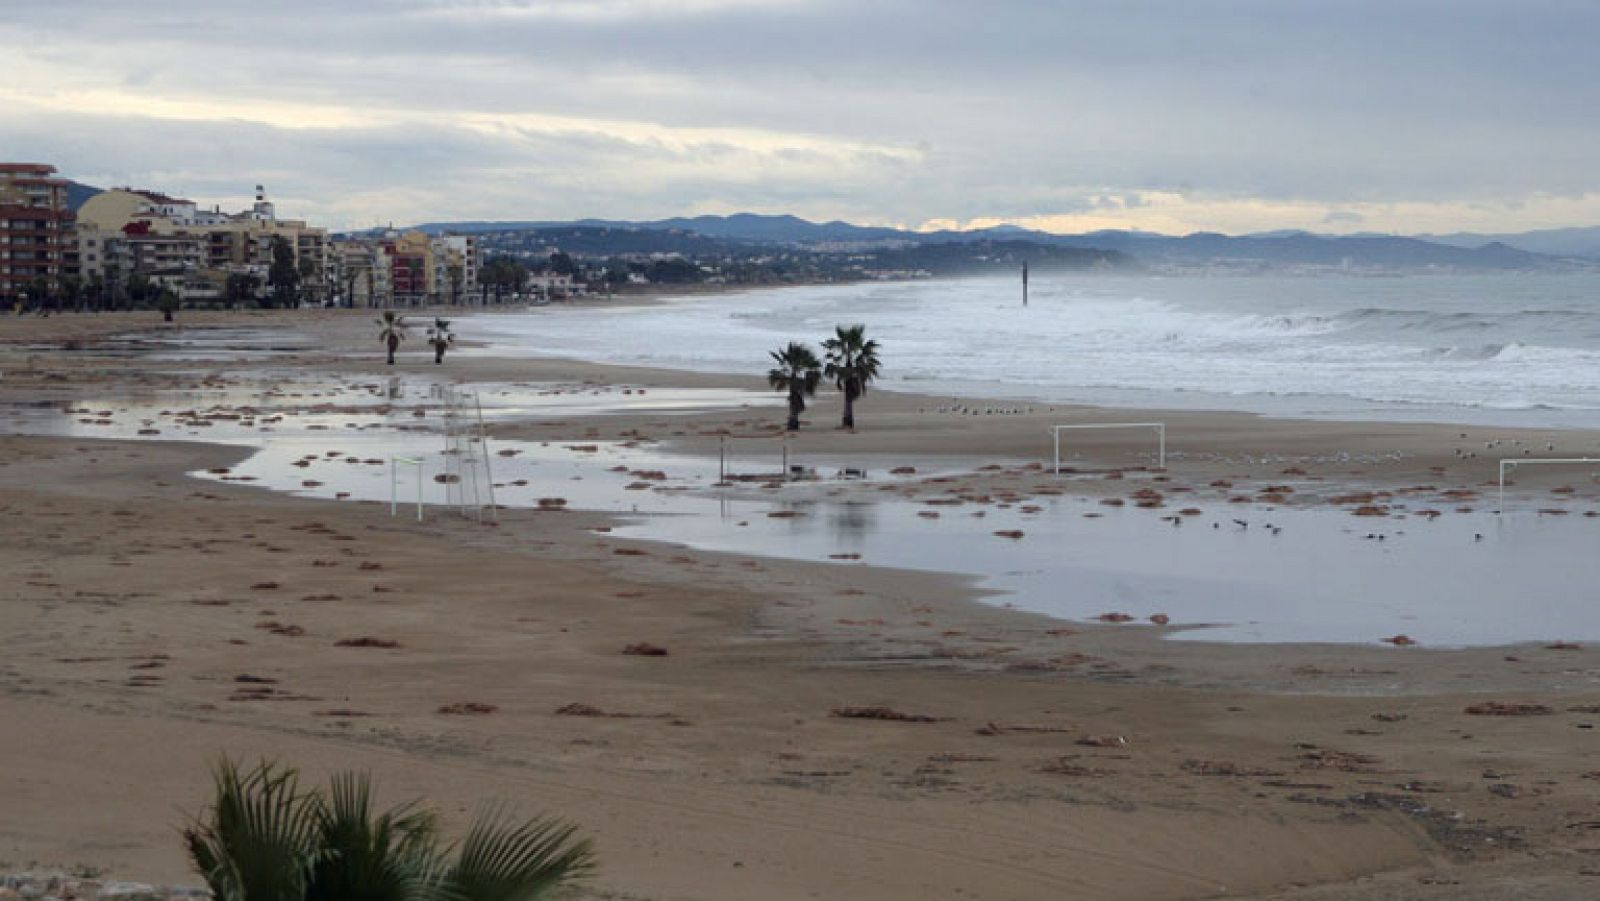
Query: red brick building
pixel 36 241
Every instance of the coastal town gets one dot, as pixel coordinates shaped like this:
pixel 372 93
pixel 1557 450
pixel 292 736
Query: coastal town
pixel 135 247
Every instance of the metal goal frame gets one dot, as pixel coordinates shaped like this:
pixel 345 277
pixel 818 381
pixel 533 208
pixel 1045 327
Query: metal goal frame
pixel 1160 427
pixel 1509 463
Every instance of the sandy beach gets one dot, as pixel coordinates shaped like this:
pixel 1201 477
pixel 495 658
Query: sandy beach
pixel 814 730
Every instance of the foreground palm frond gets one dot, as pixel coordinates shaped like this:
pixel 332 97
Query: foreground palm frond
pixel 258 841
pixel 263 839
pixel 502 859
pixel 390 856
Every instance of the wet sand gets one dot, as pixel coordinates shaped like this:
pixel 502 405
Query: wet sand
pixel 1060 760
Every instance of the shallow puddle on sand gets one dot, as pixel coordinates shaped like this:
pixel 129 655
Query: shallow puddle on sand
pixel 1284 574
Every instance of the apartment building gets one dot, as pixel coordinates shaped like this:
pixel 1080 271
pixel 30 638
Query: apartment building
pixel 36 240
pixel 126 231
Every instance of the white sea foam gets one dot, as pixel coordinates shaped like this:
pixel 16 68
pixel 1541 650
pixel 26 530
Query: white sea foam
pixel 1518 350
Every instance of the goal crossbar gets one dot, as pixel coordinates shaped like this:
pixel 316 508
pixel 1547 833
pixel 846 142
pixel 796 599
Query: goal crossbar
pixel 1160 427
pixel 1508 464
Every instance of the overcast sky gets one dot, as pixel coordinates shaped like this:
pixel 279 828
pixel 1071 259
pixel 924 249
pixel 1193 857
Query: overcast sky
pixel 1167 115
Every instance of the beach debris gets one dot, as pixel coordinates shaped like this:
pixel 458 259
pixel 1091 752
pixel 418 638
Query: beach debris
pixel 369 566
pixel 366 641
pixel 467 708
pixel 1223 768
pixel 1102 741
pixel 1115 618
pixel 579 709
pixel 1389 717
pixel 341 712
pixel 552 503
pixel 1401 640
pixel 644 649
pixel 576 709
pixel 1160 619
pixel 880 713
pixel 993 728
pixel 629 552
pixel 288 630
pixel 1564 646
pixel 1315 758
pixel 264 586
pixel 1009 533
pixel 1370 510
pixel 903 471
pixel 1502 708
pixel 248 679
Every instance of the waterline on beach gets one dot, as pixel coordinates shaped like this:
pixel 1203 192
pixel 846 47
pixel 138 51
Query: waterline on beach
pixel 1250 573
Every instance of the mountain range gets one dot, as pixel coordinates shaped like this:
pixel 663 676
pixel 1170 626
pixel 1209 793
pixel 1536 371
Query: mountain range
pixel 1285 248
pixel 1542 249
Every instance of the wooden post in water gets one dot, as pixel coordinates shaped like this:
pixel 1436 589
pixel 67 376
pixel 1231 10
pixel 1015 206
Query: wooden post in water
pixel 1024 284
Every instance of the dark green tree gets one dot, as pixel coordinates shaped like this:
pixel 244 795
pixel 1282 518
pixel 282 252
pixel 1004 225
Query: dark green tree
pixel 240 288
pixel 391 331
pixel 167 303
pixel 852 365
pixel 440 338
pixel 141 291
pixel 798 372
pixel 284 275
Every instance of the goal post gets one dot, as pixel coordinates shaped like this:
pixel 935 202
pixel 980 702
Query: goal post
pixel 394 483
pixel 740 457
pixel 1160 429
pixel 1510 463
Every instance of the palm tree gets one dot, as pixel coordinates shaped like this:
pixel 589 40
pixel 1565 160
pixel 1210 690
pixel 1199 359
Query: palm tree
pixel 852 365
pixel 167 303
pixel 391 331
pixel 264 839
pixel 439 338
pixel 798 372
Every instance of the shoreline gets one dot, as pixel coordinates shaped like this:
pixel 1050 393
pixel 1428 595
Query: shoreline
pixel 1089 761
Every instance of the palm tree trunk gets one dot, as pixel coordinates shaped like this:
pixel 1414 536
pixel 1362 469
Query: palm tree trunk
pixel 850 406
pixel 393 343
pixel 797 405
pixel 438 354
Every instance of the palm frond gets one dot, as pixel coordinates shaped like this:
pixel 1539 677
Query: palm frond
pixel 371 857
pixel 502 859
pixel 257 841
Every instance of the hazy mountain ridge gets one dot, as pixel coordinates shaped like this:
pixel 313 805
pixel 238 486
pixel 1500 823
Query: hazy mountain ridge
pixel 1272 249
pixel 1564 242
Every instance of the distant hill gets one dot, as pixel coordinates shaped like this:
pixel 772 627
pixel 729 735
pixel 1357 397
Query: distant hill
pixel 1265 250
pixel 1562 242
pixel 79 194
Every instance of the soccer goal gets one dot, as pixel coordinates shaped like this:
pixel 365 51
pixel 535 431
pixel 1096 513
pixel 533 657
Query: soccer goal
pixel 1512 463
pixel 468 478
pixel 754 458
pixel 1160 429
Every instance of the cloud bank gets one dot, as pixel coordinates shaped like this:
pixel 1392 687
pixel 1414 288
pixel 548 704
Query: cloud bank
pixel 1168 115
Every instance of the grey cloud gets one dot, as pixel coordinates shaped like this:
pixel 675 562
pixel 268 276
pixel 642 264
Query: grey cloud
pixel 1026 107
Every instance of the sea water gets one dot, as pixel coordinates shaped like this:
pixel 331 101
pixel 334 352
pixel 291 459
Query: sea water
pixel 1246 573
pixel 1512 349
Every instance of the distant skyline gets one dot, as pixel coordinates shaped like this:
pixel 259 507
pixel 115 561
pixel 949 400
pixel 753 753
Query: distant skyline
pixel 1162 115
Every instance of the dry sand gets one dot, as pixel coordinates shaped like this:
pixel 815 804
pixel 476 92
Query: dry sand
pixel 1060 762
